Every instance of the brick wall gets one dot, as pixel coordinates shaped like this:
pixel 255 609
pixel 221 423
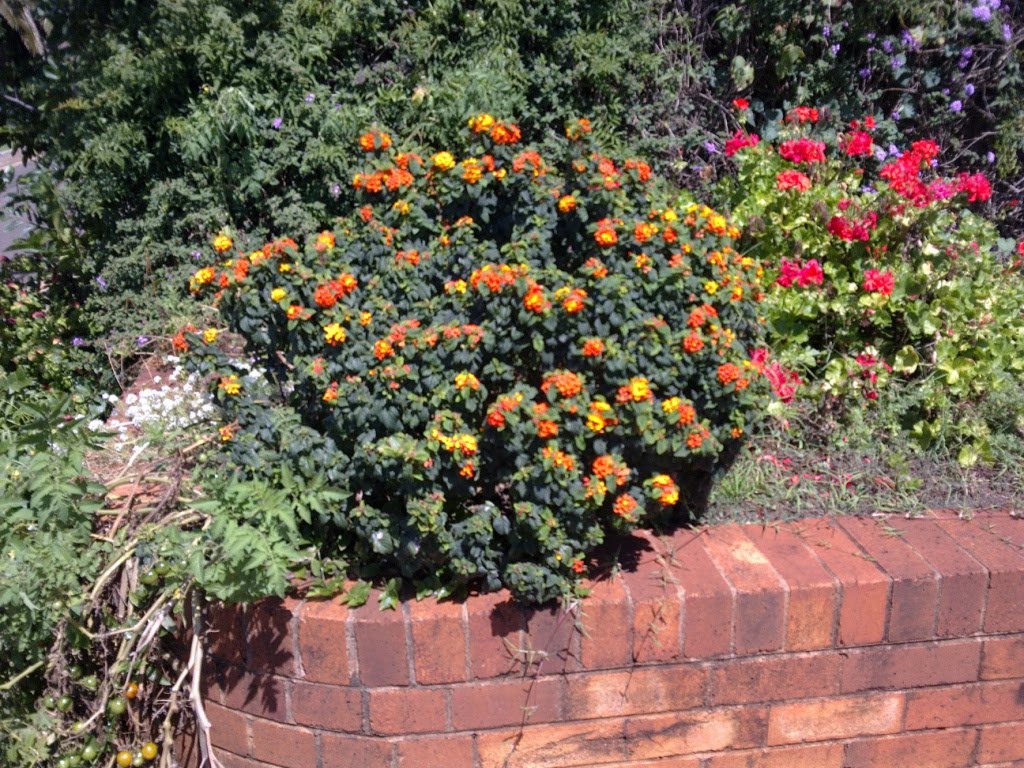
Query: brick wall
pixel 841 643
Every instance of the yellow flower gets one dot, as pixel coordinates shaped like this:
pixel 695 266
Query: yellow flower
pixel 365 318
pixel 671 405
pixel 284 267
pixel 443 161
pixel 481 123
pixel 204 276
pixel 334 334
pixel 222 243
pixel 402 206
pixel 711 287
pixel 210 335
pixel 278 294
pixel 596 422
pixel 464 379
pixel 231 385
pixel 639 389
pixel 670 215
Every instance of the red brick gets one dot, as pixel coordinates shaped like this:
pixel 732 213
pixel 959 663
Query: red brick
pixel 495 624
pixel 498 703
pixel 654 595
pixel 407 710
pixel 444 752
pixel 935 749
pixel 672 762
pixel 962 579
pixel 997 702
pixel 635 692
pixel 338 751
pixel 1004 610
pixel 864 587
pixel 771 678
pixel 334 707
pixel 228 729
pixel 915 585
pixel 550 635
pixel 269 631
pixel 225 633
pixel 282 744
pixel 438 641
pixel 323 648
pixel 260 695
pixel 605 626
pixel 1001 743
pixel 813 597
pixel 760 618
pixel 911 666
pixel 708 598
pixel 813 756
pixel 681 734
pixel 554 746
pixel 381 648
pixel 231 760
pixel 840 718
pixel 1002 658
pixel 1009 529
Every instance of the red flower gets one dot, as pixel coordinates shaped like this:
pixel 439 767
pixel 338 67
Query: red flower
pixel 740 103
pixel 811 274
pixel 876 281
pixel 976 186
pixel 740 140
pixel 803 151
pixel 792 180
pixel 857 143
pixel 803 115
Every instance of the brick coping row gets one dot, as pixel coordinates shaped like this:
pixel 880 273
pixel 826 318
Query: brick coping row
pixel 733 631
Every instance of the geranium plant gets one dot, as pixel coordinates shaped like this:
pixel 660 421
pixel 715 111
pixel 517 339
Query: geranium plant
pixel 878 268
pixel 501 355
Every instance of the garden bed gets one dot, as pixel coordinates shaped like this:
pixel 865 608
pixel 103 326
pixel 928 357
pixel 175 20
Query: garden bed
pixel 844 642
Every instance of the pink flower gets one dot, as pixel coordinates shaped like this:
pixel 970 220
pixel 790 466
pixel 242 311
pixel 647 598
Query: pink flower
pixel 811 274
pixel 783 382
pixel 876 281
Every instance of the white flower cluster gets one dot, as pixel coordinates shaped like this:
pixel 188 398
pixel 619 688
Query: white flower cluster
pixel 178 401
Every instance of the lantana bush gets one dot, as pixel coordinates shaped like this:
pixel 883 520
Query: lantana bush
pixel 500 356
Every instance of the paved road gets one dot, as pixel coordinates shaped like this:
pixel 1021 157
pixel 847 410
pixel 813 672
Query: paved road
pixel 11 228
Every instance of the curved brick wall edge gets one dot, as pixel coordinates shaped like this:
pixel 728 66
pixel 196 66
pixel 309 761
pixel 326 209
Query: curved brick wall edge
pixel 841 643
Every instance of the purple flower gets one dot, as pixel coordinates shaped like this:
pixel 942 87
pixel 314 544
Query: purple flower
pixel 710 147
pixel 895 114
pixel 880 155
pixel 966 53
pixel 956 105
pixel 982 13
pixel 894 151
pixel 870 36
pixel 908 39
pixel 990 157
pixel 887 46
pixel 826 31
pixel 197 255
pixel 864 73
pixel 834 48
pixel 77 341
pixel 101 282
pixel 1007 32
pixel 335 190
pixel 867 189
pixel 278 122
pixel 310 98
pixel 141 341
pixel 969 89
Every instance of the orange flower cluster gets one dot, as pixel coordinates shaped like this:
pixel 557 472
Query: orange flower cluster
pixel 666 491
pixel 560 459
pixel 575 301
pixel 327 294
pixel 496 276
pixel 566 383
pixel 459 443
pixel 534 300
pixel 593 348
pixel 374 140
pixel 605 234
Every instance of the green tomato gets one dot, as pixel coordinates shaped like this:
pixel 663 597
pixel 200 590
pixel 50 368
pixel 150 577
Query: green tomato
pixel 149 578
pixel 50 702
pixel 63 763
pixel 90 752
pixel 75 671
pixel 138 760
pixel 64 704
pixel 78 727
pixel 75 759
pixel 117 705
pixel 90 682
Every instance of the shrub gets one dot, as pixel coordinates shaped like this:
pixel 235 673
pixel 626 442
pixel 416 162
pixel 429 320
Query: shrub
pixel 881 271
pixel 496 360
